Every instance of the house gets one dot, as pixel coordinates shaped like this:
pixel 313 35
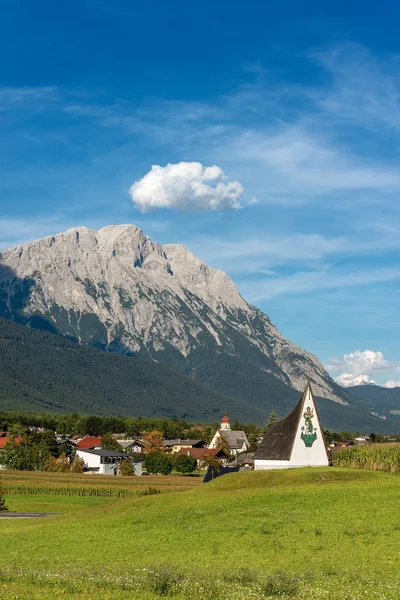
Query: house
pixel 104 462
pixel 201 453
pixel 89 442
pixel 234 441
pixel 135 445
pixel 175 445
pixel 296 441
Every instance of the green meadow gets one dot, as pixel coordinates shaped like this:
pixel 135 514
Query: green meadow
pixel 325 533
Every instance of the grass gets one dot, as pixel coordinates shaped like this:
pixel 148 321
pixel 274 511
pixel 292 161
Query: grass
pixel 306 533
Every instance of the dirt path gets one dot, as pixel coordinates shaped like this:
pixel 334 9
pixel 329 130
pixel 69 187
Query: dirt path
pixel 24 515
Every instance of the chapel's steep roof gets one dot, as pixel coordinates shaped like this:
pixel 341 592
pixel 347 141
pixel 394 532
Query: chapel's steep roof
pixel 279 439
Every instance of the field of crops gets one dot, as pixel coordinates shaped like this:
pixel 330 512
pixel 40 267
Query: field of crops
pixel 375 457
pixel 71 484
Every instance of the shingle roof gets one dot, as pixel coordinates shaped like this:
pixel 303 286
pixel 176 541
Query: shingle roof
pixel 200 452
pixel 245 458
pixel 178 442
pixel 234 439
pixel 279 439
pixel 89 442
pixel 127 443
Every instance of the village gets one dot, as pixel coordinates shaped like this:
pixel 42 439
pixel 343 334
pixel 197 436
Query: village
pixel 295 441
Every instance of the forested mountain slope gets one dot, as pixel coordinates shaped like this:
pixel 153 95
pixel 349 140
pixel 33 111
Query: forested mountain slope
pixel 46 372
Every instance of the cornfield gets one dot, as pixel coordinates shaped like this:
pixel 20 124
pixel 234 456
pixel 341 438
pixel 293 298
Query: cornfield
pixel 70 484
pixel 72 491
pixel 376 457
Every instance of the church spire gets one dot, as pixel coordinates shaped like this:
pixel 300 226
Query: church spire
pixel 225 422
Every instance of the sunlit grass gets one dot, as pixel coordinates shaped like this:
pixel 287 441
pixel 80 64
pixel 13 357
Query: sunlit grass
pixel 306 533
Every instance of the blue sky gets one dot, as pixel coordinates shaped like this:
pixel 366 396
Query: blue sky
pixel 298 101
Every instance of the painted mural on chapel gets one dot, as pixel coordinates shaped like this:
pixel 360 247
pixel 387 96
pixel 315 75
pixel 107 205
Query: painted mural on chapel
pixel 308 431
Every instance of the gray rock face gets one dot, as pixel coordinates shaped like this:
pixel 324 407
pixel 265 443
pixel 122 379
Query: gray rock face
pixel 116 289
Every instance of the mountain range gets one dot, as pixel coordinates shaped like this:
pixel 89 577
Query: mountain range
pixel 116 290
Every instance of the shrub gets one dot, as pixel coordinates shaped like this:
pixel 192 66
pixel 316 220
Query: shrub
pixel 185 464
pixel 281 584
pixel 165 580
pixel 78 466
pixel 57 465
pixel 158 463
pixel 126 468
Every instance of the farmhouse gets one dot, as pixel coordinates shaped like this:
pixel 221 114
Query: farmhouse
pixel 234 441
pixel 296 441
pixel 105 462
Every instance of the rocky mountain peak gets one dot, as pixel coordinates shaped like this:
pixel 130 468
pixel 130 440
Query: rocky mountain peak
pixel 116 289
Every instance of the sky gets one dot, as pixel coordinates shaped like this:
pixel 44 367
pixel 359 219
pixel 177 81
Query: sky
pixel 262 135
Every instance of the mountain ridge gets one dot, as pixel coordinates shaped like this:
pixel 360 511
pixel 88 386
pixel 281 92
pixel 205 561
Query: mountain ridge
pixel 115 289
pixel 40 371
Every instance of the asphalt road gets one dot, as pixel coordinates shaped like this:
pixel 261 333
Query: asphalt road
pixel 24 515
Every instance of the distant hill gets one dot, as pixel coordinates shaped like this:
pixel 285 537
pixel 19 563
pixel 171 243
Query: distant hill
pixel 40 371
pixel 380 400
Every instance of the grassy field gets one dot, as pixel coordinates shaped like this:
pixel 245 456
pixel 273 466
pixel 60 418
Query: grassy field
pixel 309 533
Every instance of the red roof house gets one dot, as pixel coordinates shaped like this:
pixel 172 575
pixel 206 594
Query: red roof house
pixel 89 442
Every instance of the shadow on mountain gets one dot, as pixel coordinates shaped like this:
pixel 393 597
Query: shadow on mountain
pixel 14 298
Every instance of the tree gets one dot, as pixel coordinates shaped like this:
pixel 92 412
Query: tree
pixel 126 468
pixel 222 444
pixel 271 420
pixel 209 432
pixel 3 506
pixel 158 463
pixel 108 442
pixel 185 463
pixel 78 466
pixel 154 442
pixel 16 430
pixel 57 465
pixel 211 462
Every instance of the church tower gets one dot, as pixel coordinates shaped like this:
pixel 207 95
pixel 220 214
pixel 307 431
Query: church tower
pixel 225 422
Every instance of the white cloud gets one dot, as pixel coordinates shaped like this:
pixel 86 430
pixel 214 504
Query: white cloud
pixel 348 379
pixel 359 366
pixel 186 186
pixel 391 384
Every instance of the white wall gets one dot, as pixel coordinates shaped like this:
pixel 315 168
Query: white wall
pixel 266 465
pixel 316 455
pixel 93 461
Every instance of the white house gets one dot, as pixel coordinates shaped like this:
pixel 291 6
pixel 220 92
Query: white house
pixel 105 462
pixel 236 441
pixel 134 445
pixel 296 441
